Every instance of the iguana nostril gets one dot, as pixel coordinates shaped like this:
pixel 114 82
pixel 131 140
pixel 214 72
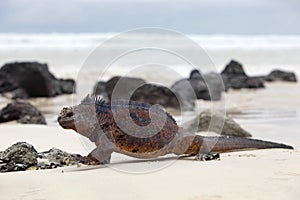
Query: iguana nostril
pixel 70 114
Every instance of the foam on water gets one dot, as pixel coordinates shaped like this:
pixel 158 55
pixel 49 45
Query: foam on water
pixel 82 41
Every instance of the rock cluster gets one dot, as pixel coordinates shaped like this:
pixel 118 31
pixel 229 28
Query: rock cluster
pixel 210 86
pixel 183 93
pixel 23 156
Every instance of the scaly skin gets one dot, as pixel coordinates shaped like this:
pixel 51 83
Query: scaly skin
pixel 141 131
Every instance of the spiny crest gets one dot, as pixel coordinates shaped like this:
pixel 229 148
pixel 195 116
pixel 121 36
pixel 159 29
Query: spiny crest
pixel 139 105
pixel 102 107
pixel 92 99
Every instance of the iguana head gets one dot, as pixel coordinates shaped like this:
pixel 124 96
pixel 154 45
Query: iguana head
pixel 81 118
pixel 66 118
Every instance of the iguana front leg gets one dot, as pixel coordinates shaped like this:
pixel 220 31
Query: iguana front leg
pixel 102 153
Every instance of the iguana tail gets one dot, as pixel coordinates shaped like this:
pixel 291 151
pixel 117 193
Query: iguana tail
pixel 230 144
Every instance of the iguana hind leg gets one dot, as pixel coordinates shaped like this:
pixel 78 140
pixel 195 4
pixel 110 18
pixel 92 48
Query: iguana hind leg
pixel 194 145
pixel 207 156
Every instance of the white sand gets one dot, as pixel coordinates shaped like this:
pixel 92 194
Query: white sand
pixel 263 174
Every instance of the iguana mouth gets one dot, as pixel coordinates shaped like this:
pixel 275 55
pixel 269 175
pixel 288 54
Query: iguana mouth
pixel 66 118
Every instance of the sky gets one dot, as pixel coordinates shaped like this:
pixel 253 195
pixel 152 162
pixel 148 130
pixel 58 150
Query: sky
pixel 186 16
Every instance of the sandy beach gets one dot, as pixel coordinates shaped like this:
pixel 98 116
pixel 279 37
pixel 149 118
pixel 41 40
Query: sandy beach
pixel 263 174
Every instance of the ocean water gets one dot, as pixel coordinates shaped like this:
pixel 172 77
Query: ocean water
pixel 66 54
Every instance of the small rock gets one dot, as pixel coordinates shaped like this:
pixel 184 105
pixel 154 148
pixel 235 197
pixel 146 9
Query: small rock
pixel 18 157
pixel 235 77
pixel 58 158
pixel 222 123
pixel 279 75
pixel 23 112
pixel 34 78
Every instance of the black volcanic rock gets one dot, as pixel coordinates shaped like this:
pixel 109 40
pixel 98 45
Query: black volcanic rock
pixel 279 75
pixel 7 83
pixel 198 86
pixel 136 89
pixel 235 77
pixel 23 156
pixel 215 86
pixel 18 157
pixel 156 94
pixel 234 68
pixel 185 92
pixel 23 112
pixel 125 86
pixel 10 88
pixel 100 89
pixel 205 86
pixel 67 86
pixel 57 158
pixel 35 79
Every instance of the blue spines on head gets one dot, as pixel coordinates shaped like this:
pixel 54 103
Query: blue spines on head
pixel 100 105
pixel 98 102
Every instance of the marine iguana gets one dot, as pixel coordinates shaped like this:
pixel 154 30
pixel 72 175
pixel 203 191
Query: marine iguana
pixel 143 131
